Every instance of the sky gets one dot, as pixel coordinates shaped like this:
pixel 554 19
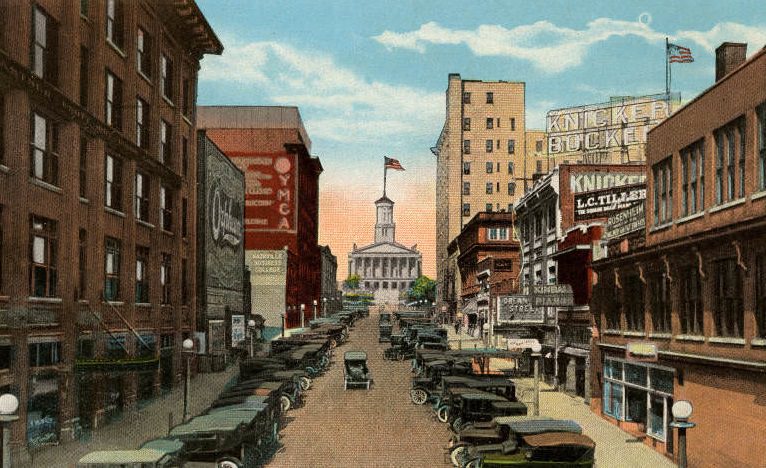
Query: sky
pixel 369 79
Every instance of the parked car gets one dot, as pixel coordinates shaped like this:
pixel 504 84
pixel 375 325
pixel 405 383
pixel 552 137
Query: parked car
pixel 384 331
pixel 550 449
pixel 355 372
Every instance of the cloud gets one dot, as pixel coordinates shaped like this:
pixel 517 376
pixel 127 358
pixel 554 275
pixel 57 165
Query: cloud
pixel 336 102
pixel 551 48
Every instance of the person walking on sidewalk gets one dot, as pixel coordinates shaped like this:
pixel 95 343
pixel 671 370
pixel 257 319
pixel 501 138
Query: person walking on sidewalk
pixel 457 327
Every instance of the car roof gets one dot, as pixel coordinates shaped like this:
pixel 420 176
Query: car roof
pixel 553 439
pixel 355 356
pixel 526 426
pixel 123 456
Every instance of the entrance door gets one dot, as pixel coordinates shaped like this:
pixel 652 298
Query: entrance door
pixel 635 406
pixel 580 377
pixel 166 370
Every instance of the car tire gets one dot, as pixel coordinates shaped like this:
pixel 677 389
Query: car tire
pixel 228 462
pixel 456 453
pixel 442 413
pixel 305 383
pixel 475 463
pixel 418 396
pixel 284 400
pixel 457 423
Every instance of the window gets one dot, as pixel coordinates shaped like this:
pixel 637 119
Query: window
pixel 185 155
pixel 166 85
pixel 44 354
pixel 760 295
pixel 83 168
pixel 86 347
pixel 741 132
pixel 146 347
pixel 490 98
pixel 539 167
pixel 466 146
pixel 186 97
pixel 684 185
pixel 661 304
pixel 633 304
pixel 510 167
pixel 113 112
pixel 45 157
pixel 84 75
pixel 730 154
pixel 184 282
pixel 466 124
pixel 166 209
pixel 466 98
pixel 184 215
pixel 466 188
pixel 691 302
pixel 165 145
pixel 513 123
pixel 552 216
pixel 142 123
pixel 45 46
pixel 488 207
pixel 663 191
pixel 466 168
pixel 511 188
pixel 115 22
pixel 490 123
pixel 112 269
pixel 612 304
pixel 539 146
pixel 692 174
pixel 84 8
pixel 730 163
pixel 44 252
pixel 762 144
pixel 82 263
pixel 539 225
pixel 488 145
pixel 142 280
pixel 489 167
pixel 510 210
pixel 490 185
pixel 498 234
pixel 718 167
pixel 729 314
pixel 165 278
pixel 144 53
pixel 115 347
pixel 511 146
pixel 113 185
pixel 142 197
pixel 466 209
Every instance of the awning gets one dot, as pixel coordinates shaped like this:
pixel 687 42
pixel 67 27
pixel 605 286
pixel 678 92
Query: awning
pixel 577 352
pixel 470 307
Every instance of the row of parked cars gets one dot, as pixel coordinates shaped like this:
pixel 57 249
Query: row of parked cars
pixel 241 427
pixel 416 331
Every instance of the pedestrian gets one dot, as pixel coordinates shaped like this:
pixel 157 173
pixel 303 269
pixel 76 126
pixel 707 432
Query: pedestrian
pixel 457 327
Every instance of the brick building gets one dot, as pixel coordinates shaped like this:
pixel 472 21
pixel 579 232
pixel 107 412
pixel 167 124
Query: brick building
pixel 271 146
pixel 97 250
pixel 694 296
pixel 331 296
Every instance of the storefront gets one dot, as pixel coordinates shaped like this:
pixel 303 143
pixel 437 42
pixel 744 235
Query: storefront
pixel 43 409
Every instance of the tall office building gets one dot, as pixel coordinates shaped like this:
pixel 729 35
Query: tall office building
pixel 481 159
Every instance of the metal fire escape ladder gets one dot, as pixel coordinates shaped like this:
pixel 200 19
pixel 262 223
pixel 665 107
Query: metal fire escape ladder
pixel 125 321
pixel 104 327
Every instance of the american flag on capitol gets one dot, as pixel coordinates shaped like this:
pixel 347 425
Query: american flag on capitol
pixel 679 54
pixel 391 163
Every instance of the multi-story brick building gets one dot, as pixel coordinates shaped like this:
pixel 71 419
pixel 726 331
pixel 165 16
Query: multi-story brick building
pixel 481 159
pixel 694 296
pixel 97 192
pixel 272 148
pixel 331 299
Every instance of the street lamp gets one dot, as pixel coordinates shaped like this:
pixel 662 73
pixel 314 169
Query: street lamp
pixel 303 308
pixel 682 411
pixel 283 325
pixel 316 303
pixel 8 406
pixel 536 347
pixel 324 307
pixel 188 345
pixel 251 328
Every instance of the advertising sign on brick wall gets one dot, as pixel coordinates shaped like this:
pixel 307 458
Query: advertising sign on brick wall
pixel 271 190
pixel 604 203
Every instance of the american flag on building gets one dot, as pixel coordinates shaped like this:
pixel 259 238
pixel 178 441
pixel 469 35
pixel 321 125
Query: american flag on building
pixel 391 163
pixel 679 54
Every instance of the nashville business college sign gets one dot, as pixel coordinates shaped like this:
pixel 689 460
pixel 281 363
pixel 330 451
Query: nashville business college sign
pixel 599 127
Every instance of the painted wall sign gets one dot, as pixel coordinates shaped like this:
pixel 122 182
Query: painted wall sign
pixel 626 221
pixel 604 203
pixel 641 351
pixel 551 295
pixel 225 217
pixel 271 189
pixel 593 181
pixel 518 309
pixel 237 330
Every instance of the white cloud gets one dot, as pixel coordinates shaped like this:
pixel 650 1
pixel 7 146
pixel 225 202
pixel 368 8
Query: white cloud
pixel 553 48
pixel 337 103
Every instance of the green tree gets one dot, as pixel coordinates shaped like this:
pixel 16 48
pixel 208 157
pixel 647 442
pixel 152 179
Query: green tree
pixel 352 282
pixel 423 288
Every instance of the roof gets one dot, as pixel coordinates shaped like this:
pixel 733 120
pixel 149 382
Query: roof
pixel 552 439
pixel 385 248
pixel 253 117
pixel 123 456
pixel 384 198
pixel 195 26
pixel 355 355
pixel 168 446
pixel 538 426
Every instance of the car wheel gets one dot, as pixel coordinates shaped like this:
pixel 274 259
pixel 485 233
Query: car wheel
pixel 443 414
pixel 475 463
pixel 400 356
pixel 456 454
pixel 228 462
pixel 418 396
pixel 457 423
pixel 305 383
pixel 286 403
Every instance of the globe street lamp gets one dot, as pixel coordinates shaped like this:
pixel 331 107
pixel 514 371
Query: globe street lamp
pixel 8 406
pixel 324 307
pixel 283 325
pixel 188 345
pixel 251 329
pixel 682 411
pixel 303 309
pixel 536 347
pixel 316 303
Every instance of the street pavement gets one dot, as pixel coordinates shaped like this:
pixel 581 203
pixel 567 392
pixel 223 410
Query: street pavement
pixel 139 425
pixel 356 428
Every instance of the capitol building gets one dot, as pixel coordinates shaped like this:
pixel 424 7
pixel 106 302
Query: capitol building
pixel 385 267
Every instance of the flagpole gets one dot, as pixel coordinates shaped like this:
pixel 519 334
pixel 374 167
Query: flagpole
pixel 667 68
pixel 385 171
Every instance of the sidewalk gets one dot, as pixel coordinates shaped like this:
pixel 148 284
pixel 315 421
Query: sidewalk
pixel 139 425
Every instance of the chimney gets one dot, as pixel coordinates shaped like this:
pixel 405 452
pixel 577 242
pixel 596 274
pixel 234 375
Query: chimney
pixel 729 56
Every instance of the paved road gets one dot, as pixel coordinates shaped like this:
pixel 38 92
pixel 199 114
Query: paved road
pixel 360 428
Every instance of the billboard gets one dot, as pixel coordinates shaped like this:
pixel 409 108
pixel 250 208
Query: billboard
pixel 605 203
pixel 270 192
pixel 601 129
pixel 626 221
pixel 518 309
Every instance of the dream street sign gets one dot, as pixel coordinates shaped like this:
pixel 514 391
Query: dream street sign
pixel 551 295
pixel 626 221
pixel 518 309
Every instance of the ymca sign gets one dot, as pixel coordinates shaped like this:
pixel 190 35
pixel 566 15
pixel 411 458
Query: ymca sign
pixel 270 192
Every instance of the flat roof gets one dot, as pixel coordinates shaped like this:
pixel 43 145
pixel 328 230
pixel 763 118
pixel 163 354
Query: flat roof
pixel 253 117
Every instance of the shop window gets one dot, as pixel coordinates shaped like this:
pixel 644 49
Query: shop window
pixel 44 354
pixel 112 269
pixel 760 298
pixel 466 124
pixel 45 149
pixel 613 399
pixel 661 303
pixel 44 46
pixel 729 314
pixel 43 409
pixel 115 22
pixel 633 303
pixel 691 302
pixel 142 277
pixel 44 253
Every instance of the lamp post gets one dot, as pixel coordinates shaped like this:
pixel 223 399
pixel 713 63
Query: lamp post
pixel 316 303
pixel 324 307
pixel 682 411
pixel 251 329
pixel 536 347
pixel 303 309
pixel 8 406
pixel 188 345
pixel 283 325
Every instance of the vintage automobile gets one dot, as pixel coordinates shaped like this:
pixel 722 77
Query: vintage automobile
pixel 355 372
pixel 299 376
pixel 480 407
pixel 428 381
pixel 550 449
pixel 502 429
pixel 289 391
pixel 140 458
pixel 384 317
pixel 452 385
pixel 384 332
pixel 401 348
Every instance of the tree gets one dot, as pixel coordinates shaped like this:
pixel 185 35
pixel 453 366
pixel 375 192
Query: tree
pixel 423 288
pixel 352 282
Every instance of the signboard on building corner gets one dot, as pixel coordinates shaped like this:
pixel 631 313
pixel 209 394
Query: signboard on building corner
pixel 237 330
pixel 641 351
pixel 518 309
pixel 626 221
pixel 607 202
